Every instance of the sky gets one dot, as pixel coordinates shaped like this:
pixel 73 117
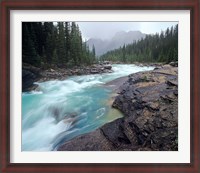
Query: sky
pixel 106 30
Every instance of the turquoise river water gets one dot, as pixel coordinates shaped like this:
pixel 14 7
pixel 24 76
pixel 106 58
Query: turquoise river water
pixel 62 110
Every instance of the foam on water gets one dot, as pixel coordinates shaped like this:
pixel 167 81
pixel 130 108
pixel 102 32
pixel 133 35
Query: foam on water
pixel 62 110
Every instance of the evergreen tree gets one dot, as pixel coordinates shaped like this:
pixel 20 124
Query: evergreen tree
pixel 54 44
pixel 73 43
pixel 47 42
pixel 93 53
pixel 78 44
pixel 67 42
pixel 38 29
pixel 161 47
pixel 29 54
pixel 124 53
pixel 61 44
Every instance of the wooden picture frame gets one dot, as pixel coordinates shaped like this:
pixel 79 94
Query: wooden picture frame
pixel 7 5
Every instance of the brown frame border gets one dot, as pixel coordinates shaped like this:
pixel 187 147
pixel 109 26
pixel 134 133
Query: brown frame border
pixel 7 5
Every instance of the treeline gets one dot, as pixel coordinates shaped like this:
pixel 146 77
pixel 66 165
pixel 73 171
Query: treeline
pixel 161 47
pixel 59 44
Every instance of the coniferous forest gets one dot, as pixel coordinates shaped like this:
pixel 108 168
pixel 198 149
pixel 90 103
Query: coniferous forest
pixel 71 96
pixel 54 43
pixel 161 47
pixel 60 44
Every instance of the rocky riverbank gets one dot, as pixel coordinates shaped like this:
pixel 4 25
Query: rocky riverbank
pixel 149 101
pixel 31 74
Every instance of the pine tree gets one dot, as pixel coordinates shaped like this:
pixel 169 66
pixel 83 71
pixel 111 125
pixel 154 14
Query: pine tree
pixel 29 54
pixel 48 42
pixel 124 53
pixel 79 45
pixel 52 44
pixel 38 29
pixel 161 47
pixel 93 53
pixel 61 44
pixel 67 41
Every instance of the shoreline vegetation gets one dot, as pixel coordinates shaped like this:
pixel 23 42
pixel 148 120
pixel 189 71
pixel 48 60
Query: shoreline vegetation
pixel 148 100
pixel 55 50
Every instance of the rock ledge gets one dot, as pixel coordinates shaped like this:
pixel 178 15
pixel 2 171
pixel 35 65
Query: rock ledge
pixel 149 101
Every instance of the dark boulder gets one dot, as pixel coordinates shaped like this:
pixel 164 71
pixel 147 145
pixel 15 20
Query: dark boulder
pixel 174 64
pixel 108 67
pixel 62 73
pixel 28 79
pixel 94 71
pixel 30 74
pixel 94 141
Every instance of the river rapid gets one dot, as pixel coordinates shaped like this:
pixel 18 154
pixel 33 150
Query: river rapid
pixel 62 110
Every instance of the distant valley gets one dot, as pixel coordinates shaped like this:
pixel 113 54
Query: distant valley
pixel 119 39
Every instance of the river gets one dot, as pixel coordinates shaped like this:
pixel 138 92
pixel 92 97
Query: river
pixel 62 110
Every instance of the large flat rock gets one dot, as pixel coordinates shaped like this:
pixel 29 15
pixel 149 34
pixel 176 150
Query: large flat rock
pixel 149 101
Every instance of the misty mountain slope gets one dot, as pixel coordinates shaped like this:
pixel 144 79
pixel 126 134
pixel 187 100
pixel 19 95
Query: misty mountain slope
pixel 119 39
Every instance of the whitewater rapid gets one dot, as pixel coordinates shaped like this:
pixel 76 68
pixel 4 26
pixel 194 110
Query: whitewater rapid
pixel 62 110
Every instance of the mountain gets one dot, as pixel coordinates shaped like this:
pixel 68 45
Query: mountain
pixel 119 39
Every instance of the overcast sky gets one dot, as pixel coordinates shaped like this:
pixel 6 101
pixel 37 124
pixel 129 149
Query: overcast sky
pixel 106 30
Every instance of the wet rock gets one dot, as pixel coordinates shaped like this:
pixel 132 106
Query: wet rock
pixel 108 67
pixel 149 101
pixel 28 78
pixel 94 141
pixel 153 105
pixel 174 64
pixel 172 82
pixel 30 75
pixel 94 71
pixel 61 73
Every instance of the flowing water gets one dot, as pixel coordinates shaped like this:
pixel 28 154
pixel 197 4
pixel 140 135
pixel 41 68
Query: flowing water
pixel 62 110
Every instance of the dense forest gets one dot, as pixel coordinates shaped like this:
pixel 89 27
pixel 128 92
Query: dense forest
pixel 59 44
pixel 161 47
